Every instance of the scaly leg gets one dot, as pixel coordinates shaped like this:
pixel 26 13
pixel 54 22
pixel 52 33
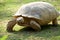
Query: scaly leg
pixel 35 25
pixel 10 25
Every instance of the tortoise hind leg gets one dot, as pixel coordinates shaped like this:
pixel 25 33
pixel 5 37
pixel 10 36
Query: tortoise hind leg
pixel 54 22
pixel 35 25
pixel 10 25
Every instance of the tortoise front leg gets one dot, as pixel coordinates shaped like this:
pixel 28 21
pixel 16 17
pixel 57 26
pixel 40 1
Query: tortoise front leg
pixel 10 25
pixel 35 25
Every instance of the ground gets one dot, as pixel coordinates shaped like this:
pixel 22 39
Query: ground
pixel 9 7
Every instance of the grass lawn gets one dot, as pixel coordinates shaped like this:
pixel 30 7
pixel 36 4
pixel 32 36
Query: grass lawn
pixel 9 7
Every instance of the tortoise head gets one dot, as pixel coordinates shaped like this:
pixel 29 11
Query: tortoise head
pixel 22 21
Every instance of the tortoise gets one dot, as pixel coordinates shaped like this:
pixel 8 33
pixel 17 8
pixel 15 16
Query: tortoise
pixel 34 15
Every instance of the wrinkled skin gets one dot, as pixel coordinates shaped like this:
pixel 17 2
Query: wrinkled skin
pixel 23 21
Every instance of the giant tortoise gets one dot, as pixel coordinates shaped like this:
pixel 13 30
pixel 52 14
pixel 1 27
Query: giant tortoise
pixel 34 15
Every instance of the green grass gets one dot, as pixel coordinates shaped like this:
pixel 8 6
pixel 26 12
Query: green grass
pixel 4 37
pixel 9 7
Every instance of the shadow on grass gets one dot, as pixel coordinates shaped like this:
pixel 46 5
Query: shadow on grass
pixel 46 32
